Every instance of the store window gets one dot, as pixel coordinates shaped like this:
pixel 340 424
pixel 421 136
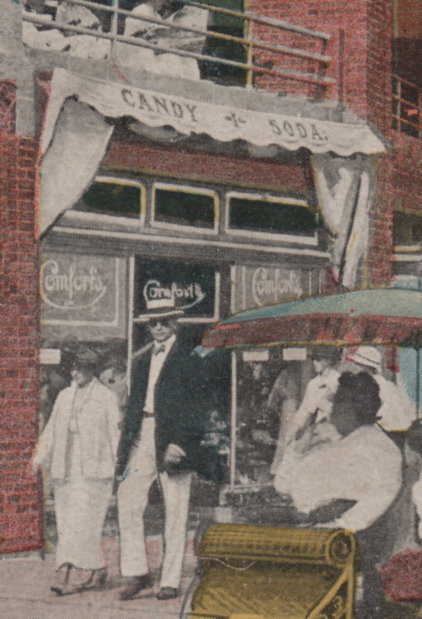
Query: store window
pixel 407 229
pixel 185 207
pixel 406 112
pixel 114 197
pixel 266 215
pixel 270 385
pixel 224 48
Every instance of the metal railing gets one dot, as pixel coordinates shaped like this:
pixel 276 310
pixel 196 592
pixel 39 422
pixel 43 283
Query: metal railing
pixel 407 107
pixel 252 46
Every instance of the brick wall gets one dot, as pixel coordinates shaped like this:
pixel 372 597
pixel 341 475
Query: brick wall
pixel 381 235
pixel 407 178
pixel 367 26
pixel 136 156
pixel 399 188
pixel 20 507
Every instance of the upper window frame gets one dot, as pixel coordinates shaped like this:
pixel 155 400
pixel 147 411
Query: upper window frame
pixel 113 180
pixel 190 189
pixel 308 239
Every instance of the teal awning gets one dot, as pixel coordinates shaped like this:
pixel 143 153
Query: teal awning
pixel 375 316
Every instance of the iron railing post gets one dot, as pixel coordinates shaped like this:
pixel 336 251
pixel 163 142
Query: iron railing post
pixel 114 26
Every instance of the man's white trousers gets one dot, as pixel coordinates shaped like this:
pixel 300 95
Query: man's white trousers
pixel 132 499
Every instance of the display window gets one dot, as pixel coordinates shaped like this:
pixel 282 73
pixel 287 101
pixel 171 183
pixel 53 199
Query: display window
pixel 268 390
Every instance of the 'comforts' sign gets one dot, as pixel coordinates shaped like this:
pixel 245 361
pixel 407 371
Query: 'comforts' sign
pixel 192 287
pixel 79 289
pixel 257 286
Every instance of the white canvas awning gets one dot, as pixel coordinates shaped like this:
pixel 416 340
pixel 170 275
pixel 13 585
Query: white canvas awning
pixel 221 122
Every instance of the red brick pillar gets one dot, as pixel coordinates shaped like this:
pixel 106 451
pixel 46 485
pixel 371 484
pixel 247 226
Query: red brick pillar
pixel 20 493
pixel 379 264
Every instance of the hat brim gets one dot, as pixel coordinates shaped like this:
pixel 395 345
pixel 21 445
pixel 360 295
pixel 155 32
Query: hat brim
pixel 366 362
pixel 161 313
pixel 85 364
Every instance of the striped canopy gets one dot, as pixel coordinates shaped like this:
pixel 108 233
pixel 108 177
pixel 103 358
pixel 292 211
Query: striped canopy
pixel 379 316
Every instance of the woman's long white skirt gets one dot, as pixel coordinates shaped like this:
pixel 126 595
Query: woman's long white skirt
pixel 81 505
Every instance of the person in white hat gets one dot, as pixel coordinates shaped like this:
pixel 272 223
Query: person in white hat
pixel 165 13
pixel 161 435
pixel 395 414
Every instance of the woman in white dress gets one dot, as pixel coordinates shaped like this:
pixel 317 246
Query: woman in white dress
pixel 79 445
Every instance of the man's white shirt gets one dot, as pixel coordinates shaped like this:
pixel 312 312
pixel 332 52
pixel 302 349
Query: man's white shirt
pixel 160 351
pixel 364 466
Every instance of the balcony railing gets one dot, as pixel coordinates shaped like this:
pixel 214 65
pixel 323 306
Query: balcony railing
pixel 259 55
pixel 407 107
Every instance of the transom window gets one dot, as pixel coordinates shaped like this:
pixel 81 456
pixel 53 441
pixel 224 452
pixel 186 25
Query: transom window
pixel 197 210
pixel 270 215
pixel 121 198
pixel 184 206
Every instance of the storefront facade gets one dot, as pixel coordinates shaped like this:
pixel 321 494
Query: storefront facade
pixel 215 193
pixel 205 244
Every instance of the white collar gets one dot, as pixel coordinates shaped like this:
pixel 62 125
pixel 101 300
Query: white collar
pixel 166 345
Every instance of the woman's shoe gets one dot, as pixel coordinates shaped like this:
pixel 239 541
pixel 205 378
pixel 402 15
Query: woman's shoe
pixel 61 584
pixel 97 579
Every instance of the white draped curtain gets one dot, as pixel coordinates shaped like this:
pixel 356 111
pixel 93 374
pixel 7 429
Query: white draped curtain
pixel 71 160
pixel 345 188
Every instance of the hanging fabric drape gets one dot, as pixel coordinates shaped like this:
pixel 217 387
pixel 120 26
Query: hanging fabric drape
pixel 71 160
pixel 345 188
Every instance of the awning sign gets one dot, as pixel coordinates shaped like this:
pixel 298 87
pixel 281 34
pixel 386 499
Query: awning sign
pixel 221 122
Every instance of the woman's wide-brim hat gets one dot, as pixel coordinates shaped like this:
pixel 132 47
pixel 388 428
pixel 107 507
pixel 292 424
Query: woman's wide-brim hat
pixel 85 357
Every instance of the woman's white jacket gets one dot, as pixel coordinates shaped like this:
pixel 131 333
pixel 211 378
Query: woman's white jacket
pixel 97 421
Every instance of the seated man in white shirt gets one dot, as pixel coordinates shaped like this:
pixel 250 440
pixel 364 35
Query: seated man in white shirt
pixel 362 467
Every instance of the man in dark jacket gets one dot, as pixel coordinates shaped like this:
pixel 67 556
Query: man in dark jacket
pixel 161 437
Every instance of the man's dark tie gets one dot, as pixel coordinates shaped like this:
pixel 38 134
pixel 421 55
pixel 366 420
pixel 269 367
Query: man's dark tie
pixel 159 349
